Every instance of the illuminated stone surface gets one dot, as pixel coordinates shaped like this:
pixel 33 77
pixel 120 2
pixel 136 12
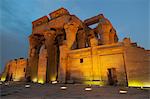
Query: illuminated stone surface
pixel 15 70
pixel 42 65
pixel 65 49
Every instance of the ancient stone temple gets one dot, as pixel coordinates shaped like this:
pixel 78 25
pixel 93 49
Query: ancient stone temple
pixel 66 49
pixel 15 70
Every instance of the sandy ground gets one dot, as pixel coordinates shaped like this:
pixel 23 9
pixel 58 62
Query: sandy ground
pixel 73 91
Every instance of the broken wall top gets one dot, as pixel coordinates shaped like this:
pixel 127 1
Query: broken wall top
pixel 58 13
pixel 49 21
pixel 93 20
pixel 40 21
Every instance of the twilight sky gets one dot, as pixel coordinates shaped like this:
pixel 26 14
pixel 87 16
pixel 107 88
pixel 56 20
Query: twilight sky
pixel 129 17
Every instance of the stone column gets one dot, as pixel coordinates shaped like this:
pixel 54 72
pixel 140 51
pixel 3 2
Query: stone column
pixel 81 39
pixel 71 30
pixel 104 28
pixel 33 58
pixel 42 64
pixel 113 36
pixel 105 38
pixel 63 62
pixel 51 50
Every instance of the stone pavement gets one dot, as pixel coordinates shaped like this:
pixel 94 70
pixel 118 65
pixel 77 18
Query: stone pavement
pixel 73 91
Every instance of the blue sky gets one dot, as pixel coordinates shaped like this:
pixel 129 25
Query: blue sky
pixel 129 17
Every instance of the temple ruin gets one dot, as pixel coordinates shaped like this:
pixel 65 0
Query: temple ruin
pixel 66 49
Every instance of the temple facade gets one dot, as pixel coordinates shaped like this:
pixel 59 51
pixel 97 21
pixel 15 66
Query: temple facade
pixel 66 49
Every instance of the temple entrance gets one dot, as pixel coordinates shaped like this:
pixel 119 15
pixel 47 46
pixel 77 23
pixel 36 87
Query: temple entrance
pixel 68 76
pixel 112 76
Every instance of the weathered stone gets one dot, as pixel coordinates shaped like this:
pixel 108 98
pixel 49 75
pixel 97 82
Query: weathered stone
pixel 58 13
pixel 93 20
pixel 42 20
pixel 106 30
pixel 63 59
pixel 51 50
pixel 65 49
pixel 42 64
pixel 127 41
pixel 35 45
pixel 71 30
pixel 15 70
pixel 81 39
pixel 113 36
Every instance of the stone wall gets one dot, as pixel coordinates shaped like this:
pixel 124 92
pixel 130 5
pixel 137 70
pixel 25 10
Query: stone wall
pixel 92 64
pixel 89 65
pixel 15 70
pixel 112 57
pixel 138 66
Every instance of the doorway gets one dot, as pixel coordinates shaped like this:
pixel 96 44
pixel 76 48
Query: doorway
pixel 112 76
